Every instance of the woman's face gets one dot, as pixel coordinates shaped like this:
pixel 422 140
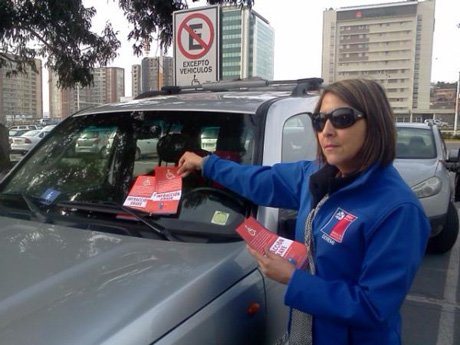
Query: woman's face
pixel 340 146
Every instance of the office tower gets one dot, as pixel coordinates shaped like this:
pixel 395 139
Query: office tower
pixel 21 94
pixel 247 44
pixel 136 77
pixel 156 72
pixel 108 87
pixel 391 43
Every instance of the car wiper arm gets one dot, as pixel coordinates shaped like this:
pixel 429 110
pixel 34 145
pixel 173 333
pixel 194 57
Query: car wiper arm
pixel 115 208
pixel 31 206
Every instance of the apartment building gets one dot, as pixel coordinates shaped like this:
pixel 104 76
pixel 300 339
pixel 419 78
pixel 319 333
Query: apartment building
pixel 136 76
pixel 21 94
pixel 391 43
pixel 108 87
pixel 155 72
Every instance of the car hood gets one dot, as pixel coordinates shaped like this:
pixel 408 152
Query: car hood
pixel 69 286
pixel 414 171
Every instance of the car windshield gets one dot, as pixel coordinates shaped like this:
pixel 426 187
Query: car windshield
pixel 31 133
pixel 415 143
pixel 16 132
pixel 63 170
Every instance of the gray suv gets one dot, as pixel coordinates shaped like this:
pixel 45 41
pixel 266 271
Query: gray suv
pixel 78 267
pixel 423 162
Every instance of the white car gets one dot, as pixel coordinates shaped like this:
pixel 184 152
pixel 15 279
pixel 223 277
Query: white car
pixel 420 159
pixel 437 122
pixel 22 144
pixel 28 127
pixel 145 147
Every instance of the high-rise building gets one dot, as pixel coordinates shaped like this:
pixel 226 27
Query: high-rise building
pixel 156 72
pixel 391 43
pixel 21 94
pixel 136 77
pixel 247 44
pixel 108 87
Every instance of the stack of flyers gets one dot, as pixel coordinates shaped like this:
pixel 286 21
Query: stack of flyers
pixel 159 194
pixel 259 238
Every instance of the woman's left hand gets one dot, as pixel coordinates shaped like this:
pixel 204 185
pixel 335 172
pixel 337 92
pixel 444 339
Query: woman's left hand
pixel 273 266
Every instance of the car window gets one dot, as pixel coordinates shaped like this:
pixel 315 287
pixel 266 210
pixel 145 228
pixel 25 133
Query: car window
pixel 298 139
pixel 298 143
pixel 415 143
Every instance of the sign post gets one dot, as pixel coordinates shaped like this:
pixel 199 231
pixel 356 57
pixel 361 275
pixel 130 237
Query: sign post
pixel 196 46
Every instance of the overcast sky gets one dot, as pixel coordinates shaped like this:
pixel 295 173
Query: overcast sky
pixel 298 35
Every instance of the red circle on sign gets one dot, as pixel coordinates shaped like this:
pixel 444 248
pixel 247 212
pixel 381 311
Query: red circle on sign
pixel 206 46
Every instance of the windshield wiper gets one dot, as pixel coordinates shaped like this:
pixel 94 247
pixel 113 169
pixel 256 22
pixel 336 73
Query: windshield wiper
pixel 109 207
pixel 31 206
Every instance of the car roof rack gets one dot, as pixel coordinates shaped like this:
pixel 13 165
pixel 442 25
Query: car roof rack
pixel 298 87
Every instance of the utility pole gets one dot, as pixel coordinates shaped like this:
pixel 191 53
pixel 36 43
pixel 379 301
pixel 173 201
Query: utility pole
pixel 456 105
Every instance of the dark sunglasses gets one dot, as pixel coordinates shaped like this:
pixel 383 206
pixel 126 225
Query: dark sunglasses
pixel 340 118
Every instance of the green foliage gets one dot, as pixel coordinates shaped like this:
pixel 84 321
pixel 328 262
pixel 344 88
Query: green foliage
pixel 60 32
pixel 444 85
pixel 153 19
pixel 449 135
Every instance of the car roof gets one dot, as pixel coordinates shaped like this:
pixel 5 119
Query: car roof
pixel 222 97
pixel 414 125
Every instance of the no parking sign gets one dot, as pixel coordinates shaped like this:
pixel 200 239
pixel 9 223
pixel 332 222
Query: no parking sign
pixel 196 46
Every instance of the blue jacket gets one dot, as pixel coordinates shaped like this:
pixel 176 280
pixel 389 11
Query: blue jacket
pixel 369 239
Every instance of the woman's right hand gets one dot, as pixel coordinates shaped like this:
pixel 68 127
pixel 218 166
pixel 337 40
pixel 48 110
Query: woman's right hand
pixel 189 162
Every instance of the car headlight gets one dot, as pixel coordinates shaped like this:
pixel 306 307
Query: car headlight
pixel 428 187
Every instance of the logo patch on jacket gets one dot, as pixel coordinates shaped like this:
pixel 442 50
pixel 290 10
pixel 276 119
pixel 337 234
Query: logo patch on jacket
pixel 337 226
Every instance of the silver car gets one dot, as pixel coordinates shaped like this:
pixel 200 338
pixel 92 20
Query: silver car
pixel 421 157
pixel 79 268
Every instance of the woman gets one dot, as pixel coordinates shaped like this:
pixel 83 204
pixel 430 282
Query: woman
pixel 365 229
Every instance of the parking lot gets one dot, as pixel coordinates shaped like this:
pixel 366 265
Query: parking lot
pixel 431 313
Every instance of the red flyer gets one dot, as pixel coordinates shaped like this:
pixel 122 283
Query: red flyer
pixel 159 194
pixel 259 238
pixel 167 179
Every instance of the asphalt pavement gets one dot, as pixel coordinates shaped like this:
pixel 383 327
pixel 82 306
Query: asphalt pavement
pixel 431 312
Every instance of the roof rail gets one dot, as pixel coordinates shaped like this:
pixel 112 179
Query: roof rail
pixel 299 87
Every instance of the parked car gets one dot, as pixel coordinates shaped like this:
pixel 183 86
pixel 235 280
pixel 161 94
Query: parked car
pixel 24 127
pixel 437 122
pixel 421 157
pixel 16 133
pixel 22 144
pixel 94 140
pixel 81 268
pixel 48 128
pixel 208 138
pixel 145 146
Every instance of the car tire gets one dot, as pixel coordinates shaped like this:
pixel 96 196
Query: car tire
pixel 445 240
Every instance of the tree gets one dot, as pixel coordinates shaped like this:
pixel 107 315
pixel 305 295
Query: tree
pixel 150 17
pixel 60 32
